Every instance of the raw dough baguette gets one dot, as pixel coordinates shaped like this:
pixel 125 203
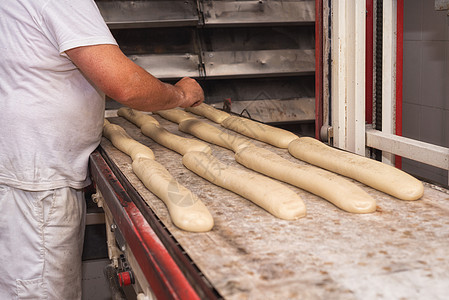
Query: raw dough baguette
pixel 151 128
pixel 211 134
pixel 175 115
pixel 269 194
pixel 185 209
pixel 259 131
pixel 333 188
pixel 272 196
pixel 209 112
pixel 136 117
pixel 122 141
pixel 172 141
pixel 336 189
pixel 380 176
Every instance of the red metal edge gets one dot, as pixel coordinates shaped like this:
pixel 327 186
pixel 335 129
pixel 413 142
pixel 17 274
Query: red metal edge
pixel 369 65
pixel 164 276
pixel 318 67
pixel 399 72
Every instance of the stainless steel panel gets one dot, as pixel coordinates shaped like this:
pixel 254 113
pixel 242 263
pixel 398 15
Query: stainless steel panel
pixel 139 14
pixel 259 63
pixel 262 88
pixel 258 12
pixel 268 111
pixel 169 66
pixel 258 38
pixel 170 40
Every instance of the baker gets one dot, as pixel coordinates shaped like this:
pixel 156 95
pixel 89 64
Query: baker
pixel 57 61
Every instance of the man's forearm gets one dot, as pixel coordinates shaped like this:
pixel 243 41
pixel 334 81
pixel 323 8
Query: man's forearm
pixel 142 91
pixel 122 80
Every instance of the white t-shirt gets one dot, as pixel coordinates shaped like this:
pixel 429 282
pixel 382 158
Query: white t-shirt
pixel 51 117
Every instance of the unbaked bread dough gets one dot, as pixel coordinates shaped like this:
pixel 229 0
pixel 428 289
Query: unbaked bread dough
pixel 122 141
pixel 272 196
pixel 334 188
pixel 186 210
pixel 209 112
pixel 151 128
pixel 172 141
pixel 136 117
pixel 331 187
pixel 274 136
pixel 213 135
pixel 380 176
pixel 175 115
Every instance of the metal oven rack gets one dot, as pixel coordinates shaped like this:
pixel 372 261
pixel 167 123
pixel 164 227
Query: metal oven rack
pixel 257 54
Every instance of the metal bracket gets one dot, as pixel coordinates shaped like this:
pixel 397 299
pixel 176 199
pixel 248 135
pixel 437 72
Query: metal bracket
pixel 118 237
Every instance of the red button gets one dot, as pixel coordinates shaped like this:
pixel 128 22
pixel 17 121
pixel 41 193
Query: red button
pixel 124 278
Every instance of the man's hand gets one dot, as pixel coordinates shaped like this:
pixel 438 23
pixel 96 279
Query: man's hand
pixel 193 93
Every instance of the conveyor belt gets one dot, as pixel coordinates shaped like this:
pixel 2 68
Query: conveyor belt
pixel 400 251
